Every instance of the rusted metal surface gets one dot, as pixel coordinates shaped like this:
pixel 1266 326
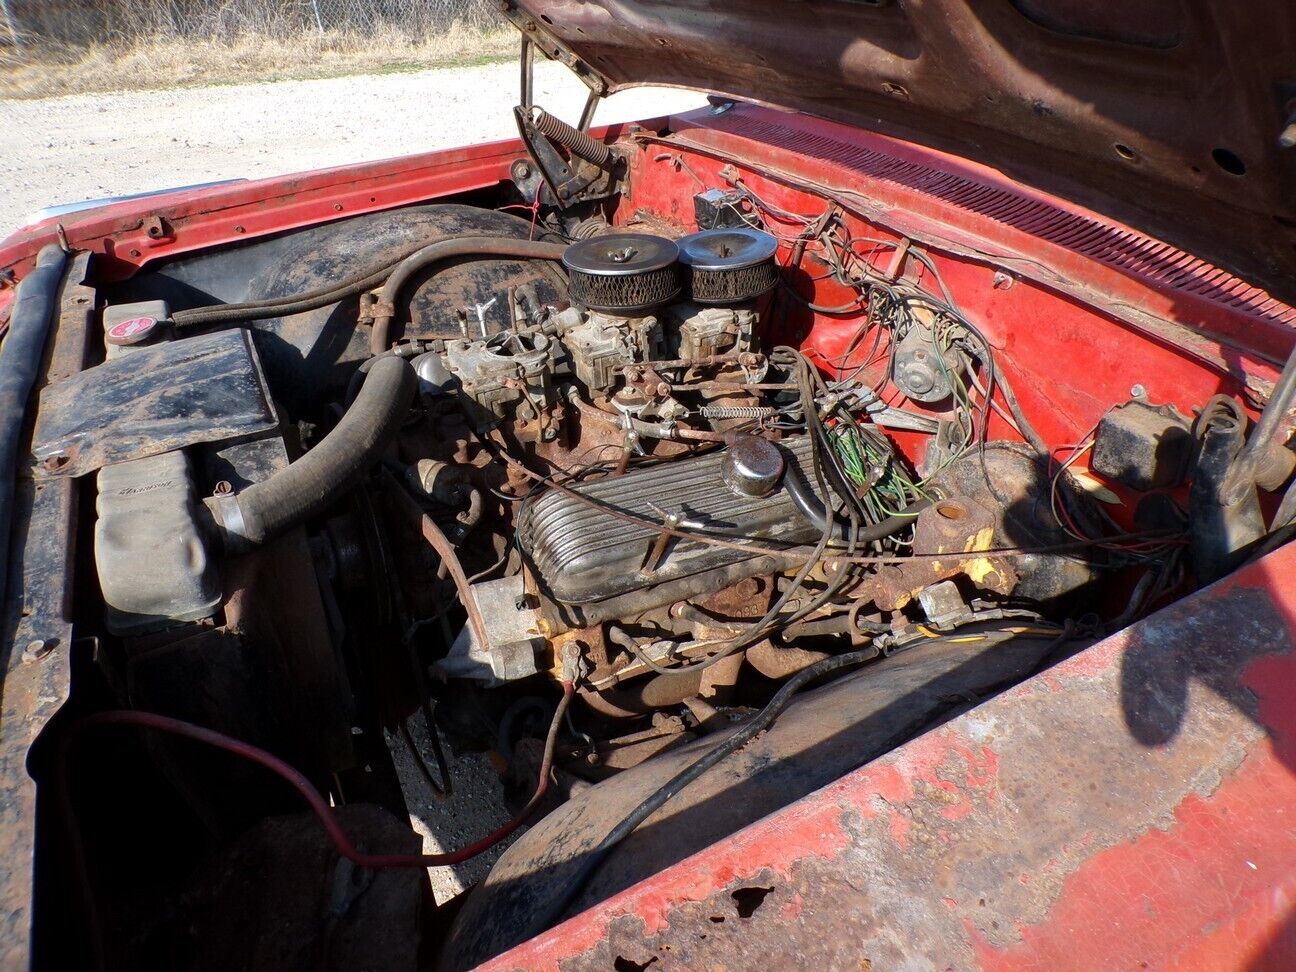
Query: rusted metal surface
pixel 438 541
pixel 958 526
pixel 36 634
pixel 1135 805
pixel 823 735
pixel 177 394
pixel 781 662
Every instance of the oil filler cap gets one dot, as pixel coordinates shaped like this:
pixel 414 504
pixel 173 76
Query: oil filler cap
pixel 752 466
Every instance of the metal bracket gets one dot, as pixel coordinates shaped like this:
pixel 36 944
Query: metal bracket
pixel 552 47
pixel 568 179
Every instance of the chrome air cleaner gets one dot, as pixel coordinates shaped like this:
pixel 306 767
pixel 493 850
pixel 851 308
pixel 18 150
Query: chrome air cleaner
pixel 623 273
pixel 729 266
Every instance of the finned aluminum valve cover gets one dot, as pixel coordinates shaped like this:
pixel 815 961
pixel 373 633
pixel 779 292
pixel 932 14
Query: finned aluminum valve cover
pixel 583 554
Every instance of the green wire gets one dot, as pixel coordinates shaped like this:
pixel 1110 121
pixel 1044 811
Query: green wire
pixel 861 452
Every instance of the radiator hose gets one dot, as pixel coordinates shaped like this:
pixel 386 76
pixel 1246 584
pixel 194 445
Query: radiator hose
pixel 316 480
pixel 34 311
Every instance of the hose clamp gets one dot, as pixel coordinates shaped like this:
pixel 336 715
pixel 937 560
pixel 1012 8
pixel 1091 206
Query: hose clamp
pixel 229 521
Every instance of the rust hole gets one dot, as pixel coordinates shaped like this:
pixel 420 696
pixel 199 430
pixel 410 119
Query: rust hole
pixel 1125 152
pixel 950 511
pixel 623 964
pixel 748 900
pixel 1228 161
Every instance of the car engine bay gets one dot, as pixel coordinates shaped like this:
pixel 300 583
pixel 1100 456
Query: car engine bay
pixel 677 486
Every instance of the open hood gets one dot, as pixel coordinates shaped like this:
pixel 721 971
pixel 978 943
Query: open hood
pixel 1165 115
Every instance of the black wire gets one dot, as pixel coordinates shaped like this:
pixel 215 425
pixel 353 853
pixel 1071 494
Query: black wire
pixel 768 625
pixel 770 622
pixel 854 308
pixel 659 797
pixel 445 788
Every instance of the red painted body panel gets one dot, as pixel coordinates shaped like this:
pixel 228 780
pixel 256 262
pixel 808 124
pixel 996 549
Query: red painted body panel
pixel 1063 824
pixel 1068 363
pixel 202 218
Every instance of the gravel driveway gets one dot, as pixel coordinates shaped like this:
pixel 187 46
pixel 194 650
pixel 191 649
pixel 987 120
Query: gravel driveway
pixel 59 150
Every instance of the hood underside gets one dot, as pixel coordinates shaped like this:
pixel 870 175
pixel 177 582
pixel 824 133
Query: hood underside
pixel 1165 115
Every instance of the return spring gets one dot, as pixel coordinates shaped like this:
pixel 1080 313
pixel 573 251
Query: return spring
pixel 735 411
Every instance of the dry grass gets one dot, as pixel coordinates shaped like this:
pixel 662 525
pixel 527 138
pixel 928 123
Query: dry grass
pixel 161 63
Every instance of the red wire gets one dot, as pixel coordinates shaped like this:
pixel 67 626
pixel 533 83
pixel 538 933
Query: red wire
pixel 318 805
pixel 533 209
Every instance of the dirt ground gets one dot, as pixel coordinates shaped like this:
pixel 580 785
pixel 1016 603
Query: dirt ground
pixel 59 150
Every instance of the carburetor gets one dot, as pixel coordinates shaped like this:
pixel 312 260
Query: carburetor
pixel 509 375
pixel 601 344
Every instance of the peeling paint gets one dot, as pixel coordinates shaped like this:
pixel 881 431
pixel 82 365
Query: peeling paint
pixel 1144 813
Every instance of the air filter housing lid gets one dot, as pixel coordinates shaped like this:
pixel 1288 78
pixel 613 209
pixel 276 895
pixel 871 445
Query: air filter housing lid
pixel 623 272
pixel 729 266
pixel 726 249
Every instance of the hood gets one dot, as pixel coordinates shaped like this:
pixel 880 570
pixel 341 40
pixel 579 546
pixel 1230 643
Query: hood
pixel 1164 114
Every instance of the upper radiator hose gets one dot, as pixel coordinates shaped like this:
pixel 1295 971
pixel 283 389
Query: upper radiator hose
pixel 317 479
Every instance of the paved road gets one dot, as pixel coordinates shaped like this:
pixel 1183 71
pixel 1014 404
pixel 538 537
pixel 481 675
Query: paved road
pixel 59 150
